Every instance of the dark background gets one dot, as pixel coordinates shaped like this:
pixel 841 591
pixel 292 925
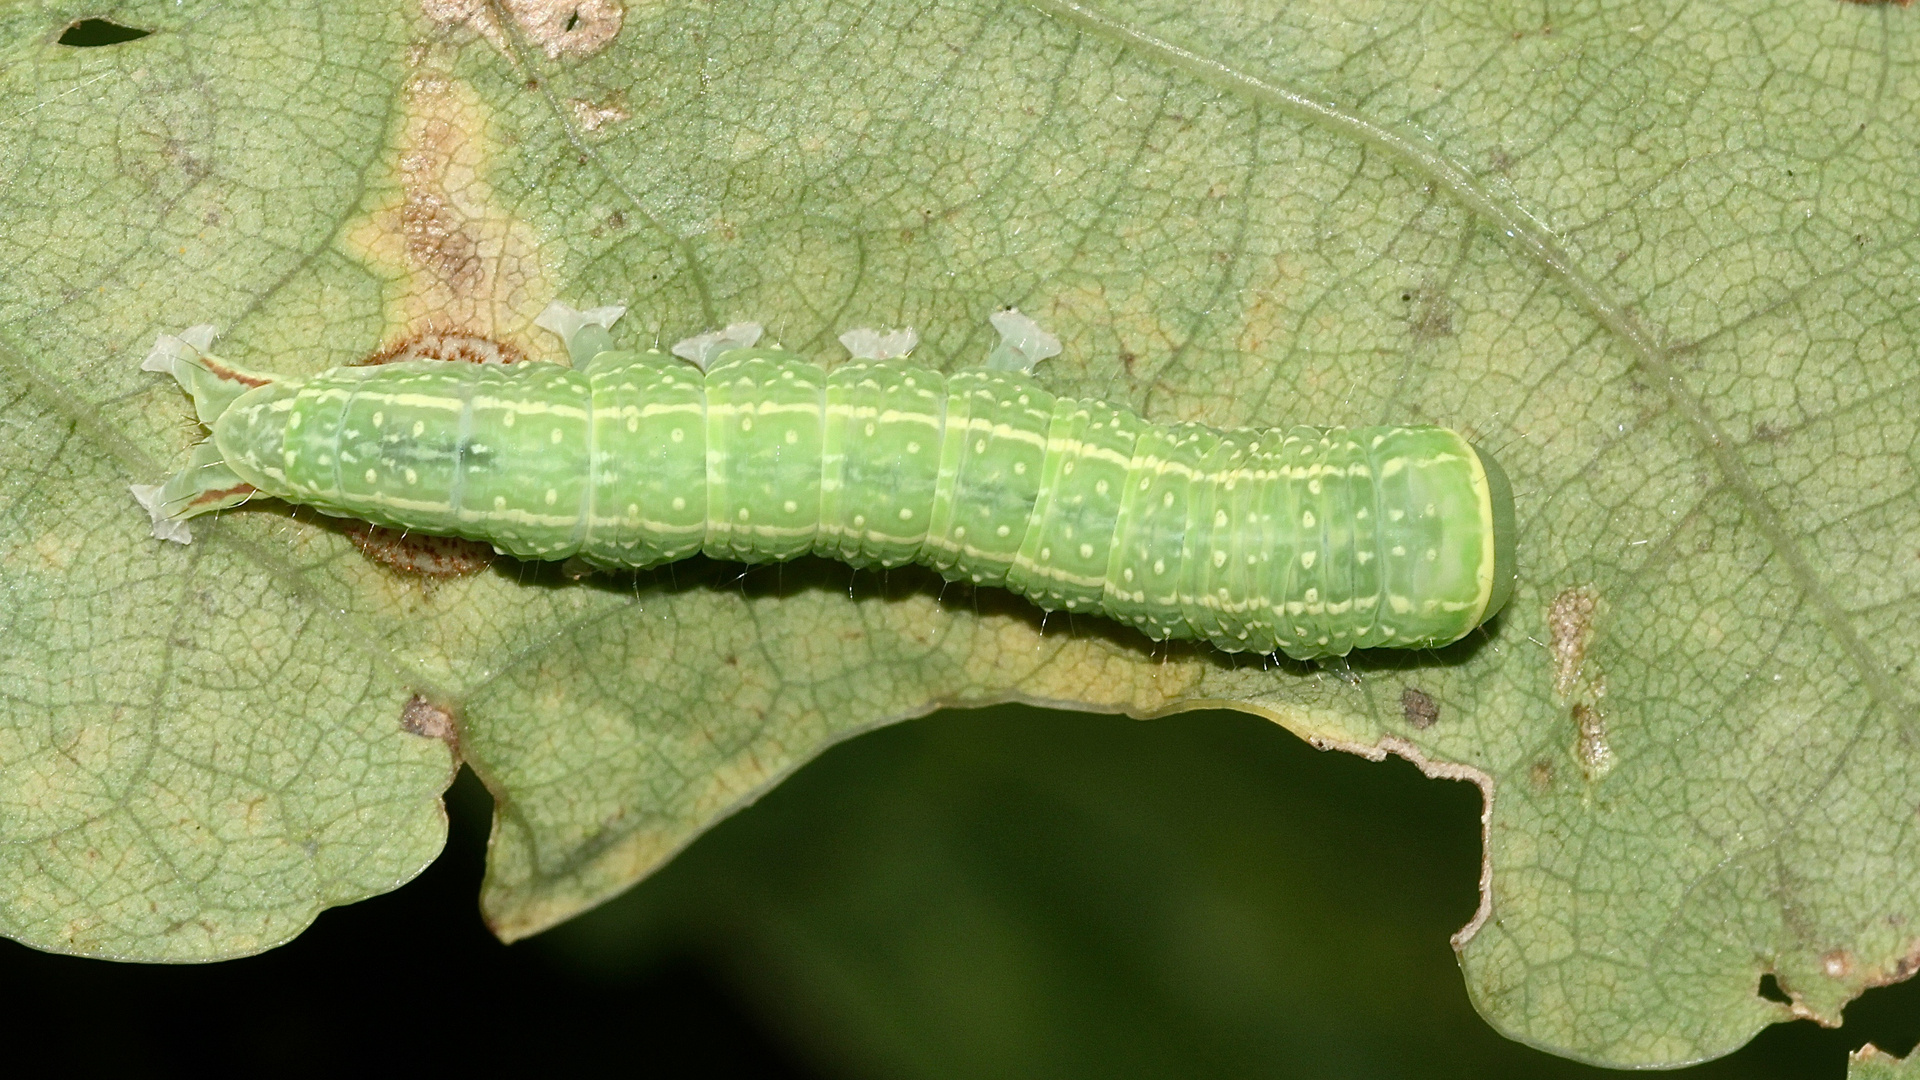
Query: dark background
pixel 999 893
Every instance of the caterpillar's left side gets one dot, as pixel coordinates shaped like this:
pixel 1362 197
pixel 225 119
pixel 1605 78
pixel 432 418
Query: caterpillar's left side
pixel 1306 541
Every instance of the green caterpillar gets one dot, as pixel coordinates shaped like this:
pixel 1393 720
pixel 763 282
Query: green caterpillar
pixel 1305 541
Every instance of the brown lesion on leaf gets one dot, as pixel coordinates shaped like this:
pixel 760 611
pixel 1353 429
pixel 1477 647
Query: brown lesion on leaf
pixel 1430 315
pixel 1540 776
pixel 429 721
pixel 1419 708
pixel 1577 681
pixel 435 345
pixel 414 553
pixel 459 263
pixel 591 116
pixel 1879 3
pixel 1570 621
pixel 1590 744
pixel 571 28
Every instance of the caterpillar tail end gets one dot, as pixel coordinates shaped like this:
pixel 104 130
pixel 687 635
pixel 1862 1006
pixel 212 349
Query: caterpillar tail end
pixel 213 383
pixel 206 484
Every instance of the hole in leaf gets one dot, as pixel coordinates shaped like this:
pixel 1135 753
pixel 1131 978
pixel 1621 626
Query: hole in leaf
pixel 573 20
pixel 94 33
pixel 1770 989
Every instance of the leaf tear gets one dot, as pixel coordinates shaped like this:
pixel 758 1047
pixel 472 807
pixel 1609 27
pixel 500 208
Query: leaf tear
pixel 96 33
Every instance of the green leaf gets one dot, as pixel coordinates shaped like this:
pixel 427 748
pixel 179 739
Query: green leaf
pixel 1872 1063
pixel 1662 261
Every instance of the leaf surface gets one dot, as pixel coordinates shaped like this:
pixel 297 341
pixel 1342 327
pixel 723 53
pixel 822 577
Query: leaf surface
pixel 1662 260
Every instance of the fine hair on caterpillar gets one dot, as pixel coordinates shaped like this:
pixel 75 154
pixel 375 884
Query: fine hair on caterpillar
pixel 1306 541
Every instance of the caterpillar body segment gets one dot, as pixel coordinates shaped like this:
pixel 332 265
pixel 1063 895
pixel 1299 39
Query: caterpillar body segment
pixel 1306 541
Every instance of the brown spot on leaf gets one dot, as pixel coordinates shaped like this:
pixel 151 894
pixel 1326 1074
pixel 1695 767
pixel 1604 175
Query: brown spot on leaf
pixel 1420 708
pixel 429 721
pixel 1768 433
pixel 1879 3
pixel 575 28
pixel 1591 746
pixel 414 553
pixel 1570 620
pixel 592 116
pixel 1837 964
pixel 463 263
pixel 434 345
pixel 1540 776
pixel 1431 316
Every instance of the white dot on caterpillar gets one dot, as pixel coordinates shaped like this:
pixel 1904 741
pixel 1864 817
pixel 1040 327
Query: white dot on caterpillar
pixel 1399 549
pixel 499 502
pixel 1086 551
pixel 1019 468
pixel 979 445
pixel 1307 519
pixel 1219 559
pixel 505 421
pixel 379 418
pixel 1306 560
pixel 1159 566
pixel 1313 485
pixel 372 476
pixel 859 521
pixel 679 503
pixel 746 423
pixel 419 427
pixel 676 435
pixel 792 436
pixel 633 423
pixel 1219 519
pixel 913 448
pixel 1432 554
pixel 906 515
pixel 1100 487
pixel 555 437
pixel 870 427
pixel 1167 499
pixel 960 533
pixel 412 477
pixel 1002 531
pixel 743 513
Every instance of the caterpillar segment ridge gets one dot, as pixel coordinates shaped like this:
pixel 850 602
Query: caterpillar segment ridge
pixel 1307 541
